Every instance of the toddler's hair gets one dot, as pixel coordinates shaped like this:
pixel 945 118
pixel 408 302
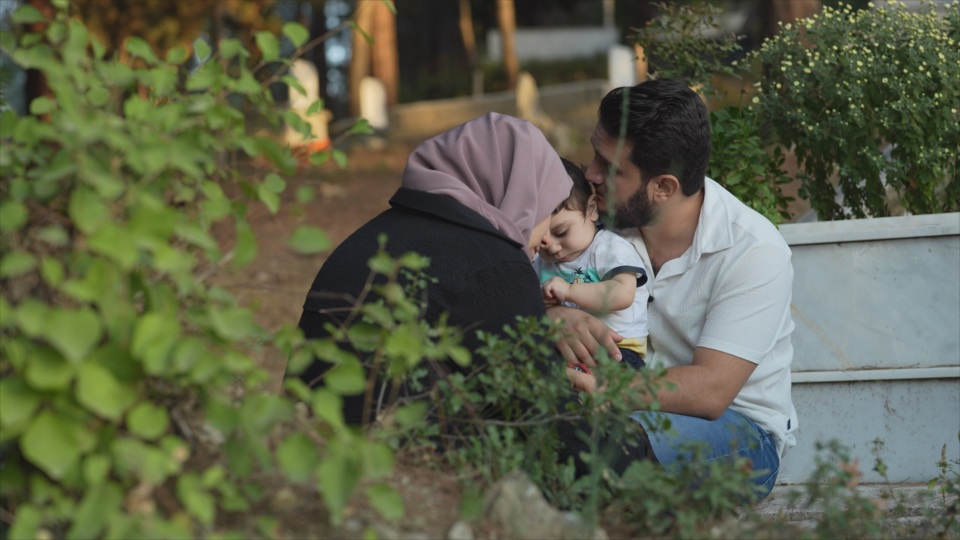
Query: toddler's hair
pixel 582 189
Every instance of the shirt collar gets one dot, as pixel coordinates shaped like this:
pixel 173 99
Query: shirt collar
pixel 447 209
pixel 714 231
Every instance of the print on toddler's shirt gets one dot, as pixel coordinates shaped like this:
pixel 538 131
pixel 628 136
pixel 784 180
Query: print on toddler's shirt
pixel 579 276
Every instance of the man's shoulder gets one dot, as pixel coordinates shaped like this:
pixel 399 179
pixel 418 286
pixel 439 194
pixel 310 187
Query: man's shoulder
pixel 747 228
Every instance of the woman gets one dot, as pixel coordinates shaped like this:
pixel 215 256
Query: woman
pixel 477 201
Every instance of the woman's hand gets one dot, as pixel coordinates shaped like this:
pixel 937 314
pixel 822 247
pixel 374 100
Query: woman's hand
pixel 584 335
pixel 583 382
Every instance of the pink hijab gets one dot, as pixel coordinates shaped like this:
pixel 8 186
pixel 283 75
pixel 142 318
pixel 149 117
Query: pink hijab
pixel 499 166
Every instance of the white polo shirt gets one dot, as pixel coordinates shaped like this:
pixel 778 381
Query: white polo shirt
pixel 730 291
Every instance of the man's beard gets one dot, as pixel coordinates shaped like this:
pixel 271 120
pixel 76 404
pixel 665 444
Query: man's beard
pixel 637 211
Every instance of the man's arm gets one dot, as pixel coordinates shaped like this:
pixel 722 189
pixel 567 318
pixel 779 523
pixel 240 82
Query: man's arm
pixel 611 295
pixel 704 389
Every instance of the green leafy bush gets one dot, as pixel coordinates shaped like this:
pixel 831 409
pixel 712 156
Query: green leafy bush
pixel 131 405
pixel 842 86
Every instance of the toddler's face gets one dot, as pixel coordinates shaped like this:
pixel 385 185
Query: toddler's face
pixel 570 234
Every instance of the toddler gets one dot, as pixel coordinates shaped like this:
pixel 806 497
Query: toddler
pixel 583 266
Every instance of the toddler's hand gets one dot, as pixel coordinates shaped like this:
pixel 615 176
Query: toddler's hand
pixel 555 290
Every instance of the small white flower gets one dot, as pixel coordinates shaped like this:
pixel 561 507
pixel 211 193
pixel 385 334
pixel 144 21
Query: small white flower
pixel 755 100
pixel 884 80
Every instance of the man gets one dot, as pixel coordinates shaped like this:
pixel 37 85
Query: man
pixel 720 289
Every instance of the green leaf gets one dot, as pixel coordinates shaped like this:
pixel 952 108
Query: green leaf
pixel 338 476
pixel 269 198
pixel 231 324
pixel 48 371
pixel 381 263
pixel 95 469
pixel 305 194
pixel 339 157
pixel 42 105
pixel 17 401
pixel 73 333
pixel 29 517
pixel 385 500
pixel 141 49
pixel 99 507
pixel 195 499
pixel 366 36
pixel 414 261
pixel 411 414
pixel 177 55
pixel 13 215
pixel 275 183
pixel 7 42
pixel 296 33
pixel 315 107
pixel 100 392
pixel 148 421
pixel 404 342
pixel 320 158
pixel 390 6
pixel 460 355
pixel 213 476
pixel 87 210
pixel 309 240
pixel 8 119
pixel 346 379
pixel 360 127
pixel 154 337
pixel 202 48
pixel 27 15
pixel 292 82
pixel 56 32
pixel 297 456
pixel 54 235
pixel 6 313
pixel 246 249
pixel 268 45
pixel 230 48
pixel 16 263
pixel 377 460
pixel 328 407
pixel 31 316
pixel 50 443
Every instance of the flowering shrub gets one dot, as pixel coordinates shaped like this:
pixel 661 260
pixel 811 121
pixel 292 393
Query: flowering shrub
pixel 842 86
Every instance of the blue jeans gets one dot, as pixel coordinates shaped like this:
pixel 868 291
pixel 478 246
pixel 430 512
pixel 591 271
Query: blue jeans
pixel 732 435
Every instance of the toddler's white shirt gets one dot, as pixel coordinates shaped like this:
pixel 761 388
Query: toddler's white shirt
pixel 607 256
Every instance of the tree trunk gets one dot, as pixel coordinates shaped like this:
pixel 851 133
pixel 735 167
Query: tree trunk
pixel 507 19
pixel 384 59
pixel 470 45
pixel 360 55
pixel 318 27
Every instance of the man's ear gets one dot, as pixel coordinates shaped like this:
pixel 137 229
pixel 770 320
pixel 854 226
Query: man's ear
pixel 592 213
pixel 664 187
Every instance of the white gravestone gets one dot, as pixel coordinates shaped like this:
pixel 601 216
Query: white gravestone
pixel 373 103
pixel 306 74
pixel 621 66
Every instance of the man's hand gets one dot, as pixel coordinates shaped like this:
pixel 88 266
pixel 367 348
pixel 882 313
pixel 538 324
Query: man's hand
pixel 584 335
pixel 555 290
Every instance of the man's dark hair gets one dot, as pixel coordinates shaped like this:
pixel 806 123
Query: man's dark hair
pixel 581 191
pixel 668 125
